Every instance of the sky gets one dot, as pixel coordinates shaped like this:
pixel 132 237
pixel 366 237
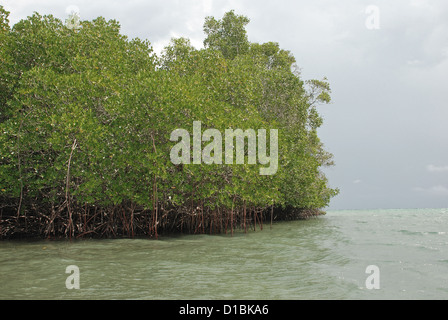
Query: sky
pixel 386 61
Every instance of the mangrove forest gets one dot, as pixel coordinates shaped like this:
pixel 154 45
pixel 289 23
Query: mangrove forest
pixel 86 116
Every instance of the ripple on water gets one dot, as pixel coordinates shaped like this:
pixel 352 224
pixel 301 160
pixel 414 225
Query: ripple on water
pixel 323 258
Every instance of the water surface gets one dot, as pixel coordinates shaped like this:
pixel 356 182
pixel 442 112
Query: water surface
pixel 322 258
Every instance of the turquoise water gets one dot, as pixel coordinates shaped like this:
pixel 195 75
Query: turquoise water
pixel 321 258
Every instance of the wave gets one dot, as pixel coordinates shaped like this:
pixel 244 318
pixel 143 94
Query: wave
pixel 421 233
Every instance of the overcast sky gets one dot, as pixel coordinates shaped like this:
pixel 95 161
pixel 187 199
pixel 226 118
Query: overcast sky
pixel 387 65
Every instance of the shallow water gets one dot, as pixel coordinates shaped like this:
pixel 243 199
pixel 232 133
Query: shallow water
pixel 321 258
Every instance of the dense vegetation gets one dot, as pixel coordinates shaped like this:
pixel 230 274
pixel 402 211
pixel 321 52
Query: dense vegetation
pixel 86 116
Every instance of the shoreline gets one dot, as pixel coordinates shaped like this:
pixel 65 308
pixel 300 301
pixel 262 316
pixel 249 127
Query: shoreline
pixel 119 224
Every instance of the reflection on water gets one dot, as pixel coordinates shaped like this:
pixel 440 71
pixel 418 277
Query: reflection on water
pixel 322 258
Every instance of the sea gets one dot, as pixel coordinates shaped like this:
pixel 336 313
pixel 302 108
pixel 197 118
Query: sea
pixel 343 255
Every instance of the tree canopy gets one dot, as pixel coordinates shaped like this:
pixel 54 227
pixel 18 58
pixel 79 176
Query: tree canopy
pixel 86 115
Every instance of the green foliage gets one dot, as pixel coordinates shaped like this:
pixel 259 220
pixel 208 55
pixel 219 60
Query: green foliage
pixel 227 35
pixel 86 117
pixel 5 78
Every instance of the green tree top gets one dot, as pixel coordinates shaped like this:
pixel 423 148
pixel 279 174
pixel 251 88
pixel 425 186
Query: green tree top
pixel 227 35
pixel 4 22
